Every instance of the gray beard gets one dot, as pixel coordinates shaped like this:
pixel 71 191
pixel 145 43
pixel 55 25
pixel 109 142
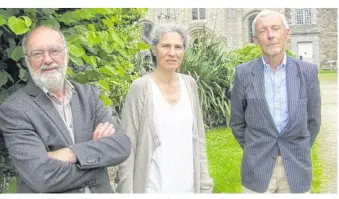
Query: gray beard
pixel 52 81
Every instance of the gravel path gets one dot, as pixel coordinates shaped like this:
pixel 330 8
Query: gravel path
pixel 328 151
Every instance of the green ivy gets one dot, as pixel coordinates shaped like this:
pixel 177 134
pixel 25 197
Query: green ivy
pixel 101 44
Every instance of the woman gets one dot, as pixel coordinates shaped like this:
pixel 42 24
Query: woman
pixel 163 119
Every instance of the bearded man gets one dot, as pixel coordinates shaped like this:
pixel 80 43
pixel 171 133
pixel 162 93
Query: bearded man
pixel 59 135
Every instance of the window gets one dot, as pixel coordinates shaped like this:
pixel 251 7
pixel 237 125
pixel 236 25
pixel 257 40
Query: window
pixel 198 13
pixel 147 29
pixel 250 31
pixel 303 16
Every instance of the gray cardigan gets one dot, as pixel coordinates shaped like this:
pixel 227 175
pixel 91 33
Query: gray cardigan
pixel 137 120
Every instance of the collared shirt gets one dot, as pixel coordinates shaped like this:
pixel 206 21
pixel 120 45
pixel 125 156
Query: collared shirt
pixel 64 107
pixel 276 93
pixel 65 110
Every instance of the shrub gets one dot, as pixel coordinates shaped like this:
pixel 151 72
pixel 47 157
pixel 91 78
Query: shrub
pixel 209 65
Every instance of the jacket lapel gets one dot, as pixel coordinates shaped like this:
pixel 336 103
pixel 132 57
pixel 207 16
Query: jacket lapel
pixel 77 118
pixel 150 107
pixel 293 86
pixel 48 107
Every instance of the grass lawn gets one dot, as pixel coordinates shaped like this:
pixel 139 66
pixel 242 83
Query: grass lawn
pixel 12 186
pixel 224 156
pixel 327 71
pixel 328 76
pixel 317 170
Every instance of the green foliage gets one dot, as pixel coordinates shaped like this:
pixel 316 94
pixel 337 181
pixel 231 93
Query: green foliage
pixel 2 20
pixel 17 53
pixel 6 168
pixel 101 43
pixel 19 26
pixel 209 65
pixel 142 64
pixel 249 53
pixel 3 78
pixel 96 38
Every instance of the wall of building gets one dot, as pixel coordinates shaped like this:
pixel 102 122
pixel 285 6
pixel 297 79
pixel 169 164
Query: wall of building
pixel 232 27
pixel 328 41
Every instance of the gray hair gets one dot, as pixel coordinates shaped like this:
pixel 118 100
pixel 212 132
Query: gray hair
pixel 162 29
pixel 265 13
pixel 25 39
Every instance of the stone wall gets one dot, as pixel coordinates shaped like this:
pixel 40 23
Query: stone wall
pixel 328 41
pixel 231 25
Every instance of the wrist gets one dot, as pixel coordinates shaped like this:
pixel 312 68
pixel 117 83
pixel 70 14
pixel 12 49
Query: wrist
pixel 73 157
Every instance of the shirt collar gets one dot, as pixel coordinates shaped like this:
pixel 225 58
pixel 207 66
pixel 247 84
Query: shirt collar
pixel 282 65
pixel 69 89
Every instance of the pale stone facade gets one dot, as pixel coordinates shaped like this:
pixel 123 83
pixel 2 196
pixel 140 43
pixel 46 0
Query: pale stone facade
pixel 313 38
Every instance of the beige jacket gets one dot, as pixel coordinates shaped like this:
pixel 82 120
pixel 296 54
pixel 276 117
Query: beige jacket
pixel 137 120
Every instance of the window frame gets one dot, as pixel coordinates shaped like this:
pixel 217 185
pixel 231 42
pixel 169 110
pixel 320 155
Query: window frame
pixel 303 16
pixel 199 12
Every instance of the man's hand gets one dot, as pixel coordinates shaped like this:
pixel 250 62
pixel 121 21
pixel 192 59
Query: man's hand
pixel 64 154
pixel 103 130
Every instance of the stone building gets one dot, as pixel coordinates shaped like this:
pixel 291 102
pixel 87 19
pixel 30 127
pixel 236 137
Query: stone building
pixel 313 37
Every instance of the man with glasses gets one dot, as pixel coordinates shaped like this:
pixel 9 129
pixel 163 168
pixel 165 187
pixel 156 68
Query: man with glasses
pixel 275 113
pixel 58 133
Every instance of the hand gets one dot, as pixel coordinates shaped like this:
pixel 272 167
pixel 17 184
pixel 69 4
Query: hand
pixel 64 154
pixel 103 130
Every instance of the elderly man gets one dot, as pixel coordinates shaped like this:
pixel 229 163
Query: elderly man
pixel 59 135
pixel 275 113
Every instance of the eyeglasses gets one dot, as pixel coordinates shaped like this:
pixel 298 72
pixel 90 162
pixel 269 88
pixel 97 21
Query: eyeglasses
pixel 37 55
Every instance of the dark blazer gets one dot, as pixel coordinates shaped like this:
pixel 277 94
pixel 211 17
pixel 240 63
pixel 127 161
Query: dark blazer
pixel 254 128
pixel 32 127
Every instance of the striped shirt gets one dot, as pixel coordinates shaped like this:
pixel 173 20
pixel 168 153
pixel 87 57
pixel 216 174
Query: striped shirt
pixel 64 107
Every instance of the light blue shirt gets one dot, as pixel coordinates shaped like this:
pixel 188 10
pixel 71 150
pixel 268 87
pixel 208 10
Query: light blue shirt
pixel 276 93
